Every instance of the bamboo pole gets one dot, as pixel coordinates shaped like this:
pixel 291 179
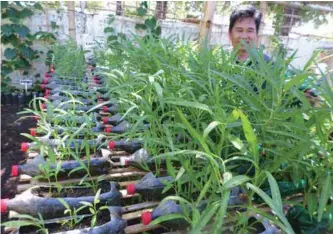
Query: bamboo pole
pixel 263 10
pixel 71 20
pixel 206 22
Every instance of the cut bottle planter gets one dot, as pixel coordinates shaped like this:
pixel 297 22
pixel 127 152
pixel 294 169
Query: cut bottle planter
pixel 97 166
pixel 109 222
pixel 38 199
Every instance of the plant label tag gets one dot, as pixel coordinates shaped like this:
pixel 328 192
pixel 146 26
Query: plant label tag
pixel 26 82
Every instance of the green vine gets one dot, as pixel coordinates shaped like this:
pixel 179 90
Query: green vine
pixel 150 25
pixel 18 39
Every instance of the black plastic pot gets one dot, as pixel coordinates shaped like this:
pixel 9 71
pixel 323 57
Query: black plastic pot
pixel 8 98
pixel 14 99
pixel 3 98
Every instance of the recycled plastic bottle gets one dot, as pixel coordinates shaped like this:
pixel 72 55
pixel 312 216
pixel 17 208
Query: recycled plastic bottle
pixel 166 208
pixel 97 166
pixel 116 225
pixel 150 186
pixel 128 146
pixel 139 157
pixel 113 109
pixel 31 204
pixel 301 221
pixel 114 120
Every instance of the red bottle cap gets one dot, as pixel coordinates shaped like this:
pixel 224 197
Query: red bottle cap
pixel 105 108
pixel 47 92
pixel 112 144
pixel 15 170
pixel 130 189
pixel 43 105
pixel 107 129
pixel 24 147
pixel 33 131
pixel 4 206
pixel 36 117
pixel 146 217
pixel 105 120
pixel 43 86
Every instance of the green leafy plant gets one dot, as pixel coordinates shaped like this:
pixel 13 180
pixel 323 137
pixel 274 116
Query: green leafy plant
pixel 27 220
pixel 94 208
pixel 75 218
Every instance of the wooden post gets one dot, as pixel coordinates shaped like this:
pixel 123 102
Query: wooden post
pixel 205 25
pixel 263 10
pixel 71 20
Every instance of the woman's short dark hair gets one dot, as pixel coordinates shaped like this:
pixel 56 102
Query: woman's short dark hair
pixel 245 11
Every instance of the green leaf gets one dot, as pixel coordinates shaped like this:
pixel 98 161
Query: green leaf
pixel 196 105
pixel 38 6
pixel 167 218
pixel 250 136
pixel 6 29
pixel 4 4
pixel 296 81
pixel 324 196
pixel 140 26
pixel 236 142
pixel 287 228
pixel 222 212
pixel 19 223
pixel 64 203
pixel 205 217
pixel 210 127
pixel 236 181
pixel 193 131
pixel 93 221
pixel 108 30
pixel 10 53
pixel 151 23
pixel 86 204
pixel 180 173
pixel 25 13
pixel 276 196
pixel 205 189
pixel 21 30
pixel 141 11
pixel 27 52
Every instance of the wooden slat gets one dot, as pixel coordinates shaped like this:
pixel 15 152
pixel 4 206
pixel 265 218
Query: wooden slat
pixel 139 228
pixel 135 215
pixel 113 176
pixel 140 206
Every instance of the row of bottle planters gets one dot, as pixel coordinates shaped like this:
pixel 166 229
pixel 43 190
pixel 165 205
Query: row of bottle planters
pixel 32 201
pixel 37 201
pixel 15 98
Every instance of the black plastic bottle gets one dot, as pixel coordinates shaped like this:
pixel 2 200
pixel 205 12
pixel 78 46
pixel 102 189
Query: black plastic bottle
pixel 97 166
pixel 166 208
pixel 150 186
pixel 31 204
